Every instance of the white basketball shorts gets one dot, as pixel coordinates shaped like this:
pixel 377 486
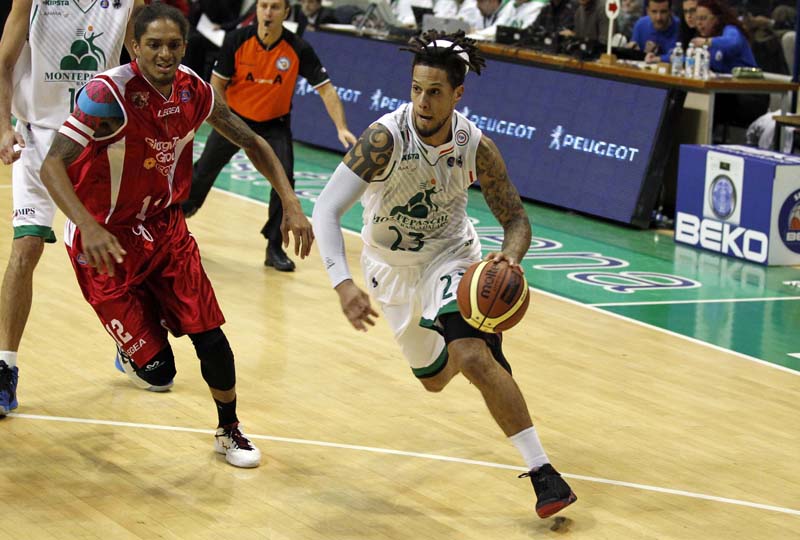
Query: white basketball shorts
pixel 34 209
pixel 413 297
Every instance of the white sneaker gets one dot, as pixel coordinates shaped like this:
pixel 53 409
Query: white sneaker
pixel 238 449
pixel 124 364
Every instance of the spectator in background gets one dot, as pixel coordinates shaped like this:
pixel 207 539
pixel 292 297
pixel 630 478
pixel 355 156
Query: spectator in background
pixel 688 29
pixel 720 29
pixel 404 10
pixel 520 13
pixel 630 12
pixel 313 13
pixel 468 11
pixel 656 32
pixel 488 10
pixel 556 17
pixel 766 41
pixel 591 22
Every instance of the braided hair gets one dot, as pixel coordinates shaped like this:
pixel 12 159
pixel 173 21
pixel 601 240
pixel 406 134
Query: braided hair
pixel 455 53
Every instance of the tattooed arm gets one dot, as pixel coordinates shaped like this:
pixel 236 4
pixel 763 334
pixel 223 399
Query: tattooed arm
pixel 370 156
pixel 503 200
pixel 266 162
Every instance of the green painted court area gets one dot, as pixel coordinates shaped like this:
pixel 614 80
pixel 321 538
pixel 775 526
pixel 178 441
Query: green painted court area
pixel 641 275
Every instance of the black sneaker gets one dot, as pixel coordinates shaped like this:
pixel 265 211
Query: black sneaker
pixel 8 388
pixel 552 493
pixel 277 259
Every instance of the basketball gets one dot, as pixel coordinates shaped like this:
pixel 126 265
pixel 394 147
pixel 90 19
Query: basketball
pixel 493 297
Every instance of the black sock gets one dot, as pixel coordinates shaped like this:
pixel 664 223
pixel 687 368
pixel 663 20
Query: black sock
pixel 226 413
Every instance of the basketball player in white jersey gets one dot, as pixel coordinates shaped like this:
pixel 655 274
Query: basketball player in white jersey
pixel 48 51
pixel 412 169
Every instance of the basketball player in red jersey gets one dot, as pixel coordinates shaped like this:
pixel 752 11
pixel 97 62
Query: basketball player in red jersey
pixel 118 168
pixel 412 169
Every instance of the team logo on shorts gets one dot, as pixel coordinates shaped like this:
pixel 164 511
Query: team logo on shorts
pixel 185 95
pixel 139 99
pixel 104 4
pixel 462 137
pixel 81 259
pixel 149 163
pixel 283 63
pixel 789 222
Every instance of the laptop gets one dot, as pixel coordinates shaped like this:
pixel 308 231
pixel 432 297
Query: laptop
pixel 508 35
pixel 445 24
pixel 625 53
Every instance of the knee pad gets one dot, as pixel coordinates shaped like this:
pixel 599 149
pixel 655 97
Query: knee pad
pixel 455 327
pixel 216 359
pixel 156 375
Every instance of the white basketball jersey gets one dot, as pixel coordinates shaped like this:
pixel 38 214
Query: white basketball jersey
pixel 69 41
pixel 419 208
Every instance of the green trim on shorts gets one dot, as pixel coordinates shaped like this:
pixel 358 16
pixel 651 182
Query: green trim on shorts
pixel 433 369
pixel 450 307
pixel 35 230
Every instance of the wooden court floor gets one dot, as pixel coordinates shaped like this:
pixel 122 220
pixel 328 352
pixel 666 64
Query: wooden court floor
pixel 661 438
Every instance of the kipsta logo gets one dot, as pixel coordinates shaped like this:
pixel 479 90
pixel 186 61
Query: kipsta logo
pixel 789 222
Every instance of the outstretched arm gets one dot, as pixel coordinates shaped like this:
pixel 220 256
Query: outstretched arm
pixel 14 35
pixel 266 162
pixel 364 162
pixel 100 247
pixel 336 111
pixel 504 202
pixel 95 116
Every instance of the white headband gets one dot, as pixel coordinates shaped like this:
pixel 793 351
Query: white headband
pixel 447 44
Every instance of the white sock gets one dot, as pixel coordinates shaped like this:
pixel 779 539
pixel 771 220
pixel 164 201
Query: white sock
pixel 528 443
pixel 9 357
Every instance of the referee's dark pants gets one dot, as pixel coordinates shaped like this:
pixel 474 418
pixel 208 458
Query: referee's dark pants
pixel 219 151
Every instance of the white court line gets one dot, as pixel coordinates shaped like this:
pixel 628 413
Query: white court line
pixel 709 301
pixel 601 311
pixel 434 457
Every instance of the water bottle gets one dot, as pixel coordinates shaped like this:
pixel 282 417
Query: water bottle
pixel 676 60
pixel 691 56
pixel 705 64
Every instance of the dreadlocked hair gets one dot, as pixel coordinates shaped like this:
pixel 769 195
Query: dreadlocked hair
pixel 455 53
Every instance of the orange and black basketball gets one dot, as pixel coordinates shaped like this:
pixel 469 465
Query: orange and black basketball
pixel 493 297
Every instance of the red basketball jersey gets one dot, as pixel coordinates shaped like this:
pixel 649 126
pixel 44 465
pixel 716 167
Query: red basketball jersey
pixel 146 165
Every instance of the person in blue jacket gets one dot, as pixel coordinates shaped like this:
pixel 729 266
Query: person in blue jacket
pixel 657 31
pixel 727 40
